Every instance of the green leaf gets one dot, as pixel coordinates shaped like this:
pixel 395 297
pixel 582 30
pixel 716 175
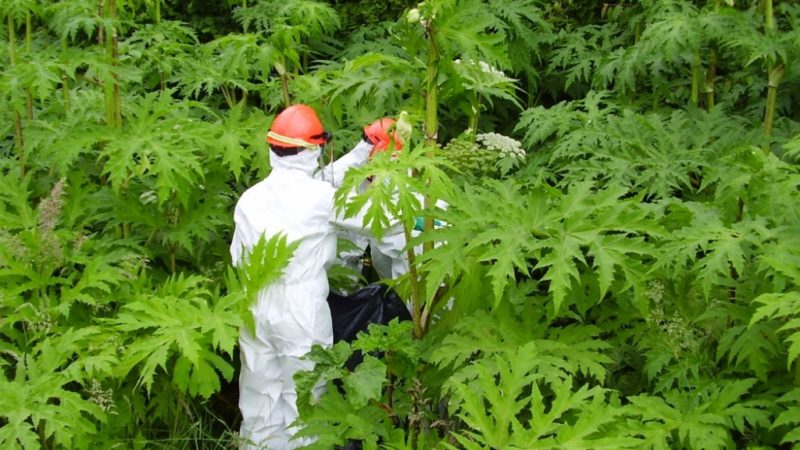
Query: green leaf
pixel 40 394
pixel 170 330
pixel 366 382
pixel 784 306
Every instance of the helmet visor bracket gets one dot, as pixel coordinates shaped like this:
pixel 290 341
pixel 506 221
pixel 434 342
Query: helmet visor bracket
pixel 326 136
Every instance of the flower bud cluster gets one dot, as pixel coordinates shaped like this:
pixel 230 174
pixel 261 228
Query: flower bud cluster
pixel 104 398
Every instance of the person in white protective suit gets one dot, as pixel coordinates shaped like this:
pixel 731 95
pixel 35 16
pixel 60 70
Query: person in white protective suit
pixel 377 134
pixel 291 315
pixel 388 254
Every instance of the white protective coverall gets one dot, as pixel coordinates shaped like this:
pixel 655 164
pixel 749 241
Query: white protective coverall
pixel 388 254
pixel 291 314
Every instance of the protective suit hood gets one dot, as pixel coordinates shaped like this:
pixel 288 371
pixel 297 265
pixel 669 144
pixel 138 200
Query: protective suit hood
pixel 306 161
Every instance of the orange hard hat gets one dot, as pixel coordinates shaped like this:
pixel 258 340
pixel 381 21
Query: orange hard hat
pixel 378 134
pixel 297 126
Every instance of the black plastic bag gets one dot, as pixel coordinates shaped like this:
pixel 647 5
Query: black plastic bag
pixel 375 303
pixel 353 313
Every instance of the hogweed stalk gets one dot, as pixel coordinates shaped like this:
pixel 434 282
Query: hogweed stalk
pixel 28 47
pixel 775 75
pixel 12 53
pixel 711 75
pixel 696 76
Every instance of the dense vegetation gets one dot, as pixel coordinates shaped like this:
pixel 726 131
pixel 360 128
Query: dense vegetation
pixel 620 264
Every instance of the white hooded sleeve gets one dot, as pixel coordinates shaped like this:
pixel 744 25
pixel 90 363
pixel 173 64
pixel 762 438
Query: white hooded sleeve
pixel 334 172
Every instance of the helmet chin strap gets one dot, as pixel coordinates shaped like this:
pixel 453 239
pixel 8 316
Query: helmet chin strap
pixel 331 159
pixel 321 162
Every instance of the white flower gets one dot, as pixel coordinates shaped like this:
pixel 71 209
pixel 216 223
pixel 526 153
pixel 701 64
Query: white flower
pixel 413 16
pixel 504 144
pixel 148 197
pixel 491 70
pixel 484 66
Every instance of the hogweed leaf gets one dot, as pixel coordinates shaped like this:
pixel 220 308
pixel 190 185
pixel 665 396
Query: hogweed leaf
pixel 785 306
pixel 366 382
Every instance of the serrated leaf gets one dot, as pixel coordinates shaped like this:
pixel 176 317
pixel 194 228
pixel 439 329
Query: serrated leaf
pixel 366 382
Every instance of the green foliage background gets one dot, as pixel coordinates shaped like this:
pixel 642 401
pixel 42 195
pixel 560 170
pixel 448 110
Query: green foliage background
pixel 632 282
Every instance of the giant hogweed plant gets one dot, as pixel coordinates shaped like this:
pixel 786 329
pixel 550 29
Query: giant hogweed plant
pixel 442 52
pixel 633 286
pixel 93 346
pixel 91 318
pixel 684 53
pixel 590 317
pixel 659 263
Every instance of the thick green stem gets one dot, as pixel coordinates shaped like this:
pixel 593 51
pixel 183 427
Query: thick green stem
pixel 431 115
pixel 416 295
pixel 18 131
pixel 113 94
pixel 158 11
pixel 12 54
pixel 115 56
pixel 28 32
pixel 28 47
pixel 711 75
pixel 100 29
pixel 244 6
pixel 775 77
pixel 769 19
pixel 697 74
pixel 20 138
pixel 431 129
pixel 108 89
pixel 109 94
pixel 432 92
pixel 426 311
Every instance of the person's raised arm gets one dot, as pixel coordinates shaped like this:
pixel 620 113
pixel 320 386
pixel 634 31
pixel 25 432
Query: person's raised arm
pixel 334 172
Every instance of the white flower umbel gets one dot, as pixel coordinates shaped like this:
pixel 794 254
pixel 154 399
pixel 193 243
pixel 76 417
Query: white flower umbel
pixel 484 66
pixel 506 146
